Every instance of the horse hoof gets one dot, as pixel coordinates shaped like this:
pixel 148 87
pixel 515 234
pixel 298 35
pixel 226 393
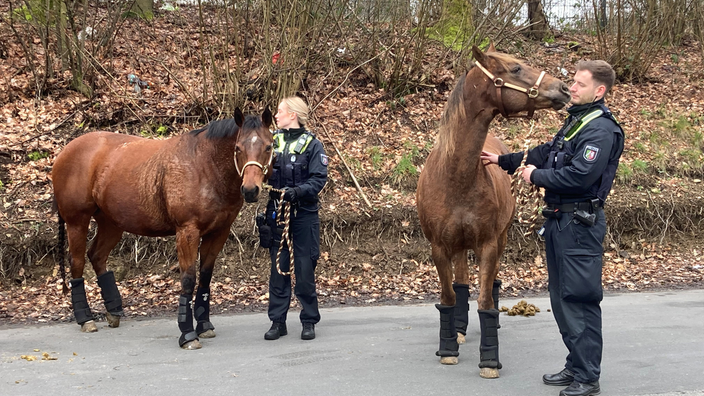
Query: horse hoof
pixel 460 338
pixel 191 345
pixel 89 327
pixel 207 334
pixel 113 321
pixel 449 360
pixel 489 373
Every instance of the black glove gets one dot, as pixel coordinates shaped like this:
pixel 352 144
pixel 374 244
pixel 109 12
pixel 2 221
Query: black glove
pixel 290 194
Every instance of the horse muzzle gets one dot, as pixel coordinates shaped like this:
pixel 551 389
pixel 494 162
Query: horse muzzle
pixel 251 195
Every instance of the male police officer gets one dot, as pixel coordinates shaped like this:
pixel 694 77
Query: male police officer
pixel 577 170
pixel 301 171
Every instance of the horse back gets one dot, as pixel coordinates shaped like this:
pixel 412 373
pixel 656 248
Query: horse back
pixel 103 171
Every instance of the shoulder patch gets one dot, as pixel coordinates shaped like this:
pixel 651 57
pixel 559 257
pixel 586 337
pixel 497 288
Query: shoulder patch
pixel 324 159
pixel 590 153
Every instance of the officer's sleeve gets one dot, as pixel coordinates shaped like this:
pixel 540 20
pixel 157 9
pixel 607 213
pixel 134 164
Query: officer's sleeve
pixel 591 156
pixel 536 156
pixel 317 172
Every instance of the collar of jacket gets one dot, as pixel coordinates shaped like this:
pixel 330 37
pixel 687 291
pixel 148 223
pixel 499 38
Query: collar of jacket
pixel 580 110
pixel 293 133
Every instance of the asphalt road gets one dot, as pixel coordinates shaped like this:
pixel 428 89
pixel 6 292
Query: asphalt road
pixel 654 345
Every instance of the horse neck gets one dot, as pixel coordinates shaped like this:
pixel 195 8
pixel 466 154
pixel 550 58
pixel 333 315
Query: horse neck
pixel 468 139
pixel 218 155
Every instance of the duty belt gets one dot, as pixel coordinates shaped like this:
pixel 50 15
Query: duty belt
pixel 587 206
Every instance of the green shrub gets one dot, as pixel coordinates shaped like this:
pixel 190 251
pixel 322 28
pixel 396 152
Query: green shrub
pixel 37 155
pixel 375 156
pixel 639 166
pixel 624 173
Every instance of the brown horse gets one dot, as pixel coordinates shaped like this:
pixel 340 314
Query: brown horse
pixel 190 185
pixel 463 204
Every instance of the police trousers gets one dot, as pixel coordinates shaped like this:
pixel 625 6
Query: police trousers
pixel 305 231
pixel 574 257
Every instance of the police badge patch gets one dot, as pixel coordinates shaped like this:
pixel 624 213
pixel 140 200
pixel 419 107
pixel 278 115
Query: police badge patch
pixel 324 159
pixel 590 153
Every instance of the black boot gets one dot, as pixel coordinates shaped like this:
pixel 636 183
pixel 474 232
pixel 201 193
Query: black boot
pixel 81 310
pixel 111 296
pixel 277 330
pixel 201 308
pixel 489 342
pixel 495 295
pixel 308 332
pixel 563 378
pixel 185 320
pixel 581 389
pixel 448 333
pixel 461 307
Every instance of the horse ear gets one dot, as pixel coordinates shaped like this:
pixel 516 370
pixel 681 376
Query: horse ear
pixel 491 47
pixel 266 117
pixel 239 117
pixel 477 53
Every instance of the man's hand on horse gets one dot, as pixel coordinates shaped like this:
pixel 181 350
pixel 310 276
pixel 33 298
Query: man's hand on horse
pixel 491 157
pixel 526 173
pixel 290 194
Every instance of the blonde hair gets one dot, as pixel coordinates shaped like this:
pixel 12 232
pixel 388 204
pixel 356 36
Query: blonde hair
pixel 298 106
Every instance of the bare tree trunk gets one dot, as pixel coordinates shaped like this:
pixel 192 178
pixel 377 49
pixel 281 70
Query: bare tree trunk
pixel 143 9
pixel 538 22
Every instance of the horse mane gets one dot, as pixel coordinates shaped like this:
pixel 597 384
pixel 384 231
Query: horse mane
pixel 227 128
pixel 219 129
pixel 451 121
pixel 454 117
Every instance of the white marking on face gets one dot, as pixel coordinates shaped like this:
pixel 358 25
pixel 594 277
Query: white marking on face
pixel 254 139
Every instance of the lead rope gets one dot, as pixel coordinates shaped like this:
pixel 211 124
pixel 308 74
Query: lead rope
pixel 284 217
pixel 527 195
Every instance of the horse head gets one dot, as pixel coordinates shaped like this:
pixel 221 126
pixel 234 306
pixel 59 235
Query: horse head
pixel 254 152
pixel 518 86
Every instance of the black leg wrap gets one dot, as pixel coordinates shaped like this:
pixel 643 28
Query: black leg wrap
pixel 185 320
pixel 461 307
pixel 495 295
pixel 81 310
pixel 187 337
pixel 111 296
pixel 201 309
pixel 448 334
pixel 489 342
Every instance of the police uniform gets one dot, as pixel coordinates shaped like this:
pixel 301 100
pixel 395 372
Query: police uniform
pixel 577 170
pixel 300 164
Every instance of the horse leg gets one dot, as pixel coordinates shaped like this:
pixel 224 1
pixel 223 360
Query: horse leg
pixel 496 286
pixel 489 364
pixel 210 247
pixel 77 230
pixel 187 240
pixel 106 238
pixel 449 349
pixel 461 288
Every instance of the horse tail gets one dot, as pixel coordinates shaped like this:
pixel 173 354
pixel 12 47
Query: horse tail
pixel 61 252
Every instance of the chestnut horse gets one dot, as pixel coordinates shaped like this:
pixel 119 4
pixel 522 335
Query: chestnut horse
pixel 191 185
pixel 463 204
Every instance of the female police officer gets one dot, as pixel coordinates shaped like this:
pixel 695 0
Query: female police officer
pixel 300 170
pixel 577 170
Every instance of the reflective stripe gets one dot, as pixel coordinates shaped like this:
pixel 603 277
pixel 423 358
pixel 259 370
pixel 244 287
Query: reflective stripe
pixel 301 143
pixel 583 122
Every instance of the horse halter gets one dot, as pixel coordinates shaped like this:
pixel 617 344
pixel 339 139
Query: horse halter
pixel 264 168
pixel 499 82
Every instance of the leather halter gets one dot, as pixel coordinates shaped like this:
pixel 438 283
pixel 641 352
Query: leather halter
pixel 499 83
pixel 264 168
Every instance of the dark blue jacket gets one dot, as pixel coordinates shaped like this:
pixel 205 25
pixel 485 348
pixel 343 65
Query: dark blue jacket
pixel 577 166
pixel 301 164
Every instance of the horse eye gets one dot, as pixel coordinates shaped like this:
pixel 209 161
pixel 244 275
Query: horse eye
pixel 268 148
pixel 516 69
